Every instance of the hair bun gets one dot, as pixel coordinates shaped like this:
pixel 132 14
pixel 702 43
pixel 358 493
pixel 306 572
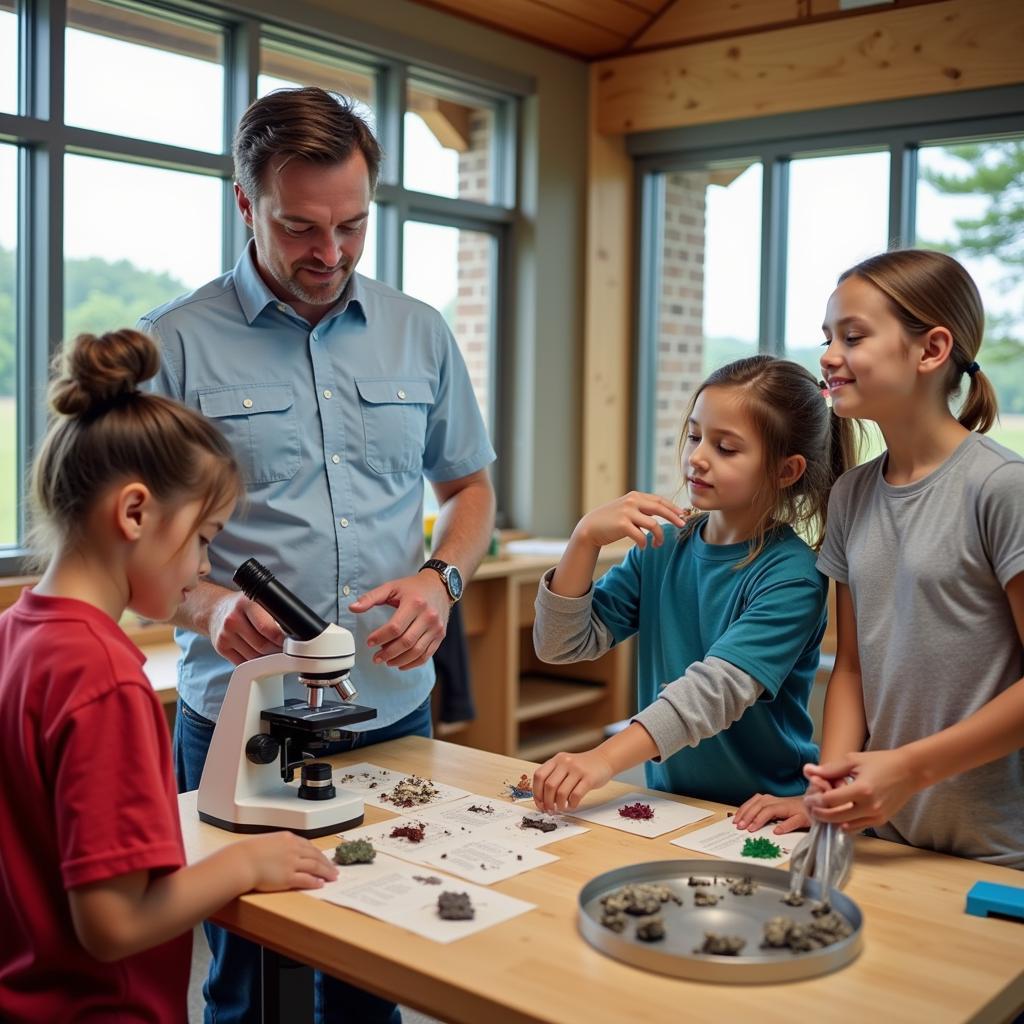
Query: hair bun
pixel 96 370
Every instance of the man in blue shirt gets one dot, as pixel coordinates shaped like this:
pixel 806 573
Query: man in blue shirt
pixel 339 396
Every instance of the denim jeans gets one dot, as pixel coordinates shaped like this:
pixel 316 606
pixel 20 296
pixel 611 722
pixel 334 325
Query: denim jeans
pixel 232 988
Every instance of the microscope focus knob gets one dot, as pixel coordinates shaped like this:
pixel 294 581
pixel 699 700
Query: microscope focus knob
pixel 262 748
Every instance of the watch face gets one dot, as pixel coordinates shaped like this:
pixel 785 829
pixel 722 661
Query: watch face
pixel 454 579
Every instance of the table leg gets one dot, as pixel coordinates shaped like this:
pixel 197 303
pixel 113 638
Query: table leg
pixel 270 986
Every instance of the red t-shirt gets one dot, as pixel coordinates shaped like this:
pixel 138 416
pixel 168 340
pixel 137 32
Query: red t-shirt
pixel 86 793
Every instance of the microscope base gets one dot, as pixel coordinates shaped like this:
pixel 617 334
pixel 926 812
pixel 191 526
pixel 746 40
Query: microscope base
pixel 307 833
pixel 282 810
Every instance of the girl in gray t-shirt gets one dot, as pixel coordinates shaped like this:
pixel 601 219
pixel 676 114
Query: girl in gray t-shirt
pixel 925 707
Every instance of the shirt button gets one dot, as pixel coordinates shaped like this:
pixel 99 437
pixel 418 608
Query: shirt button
pixel 401 393
pixel 328 393
pixel 281 307
pixel 343 521
pixel 335 459
pixel 346 590
pixel 313 336
pixel 247 403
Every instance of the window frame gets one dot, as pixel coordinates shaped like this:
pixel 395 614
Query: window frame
pixel 900 127
pixel 43 140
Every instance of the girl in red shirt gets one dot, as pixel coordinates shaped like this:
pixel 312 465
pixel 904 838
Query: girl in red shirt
pixel 98 905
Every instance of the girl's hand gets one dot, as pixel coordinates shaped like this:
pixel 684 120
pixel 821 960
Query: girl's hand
pixel 282 860
pixel 630 516
pixel 762 808
pixel 565 779
pixel 881 782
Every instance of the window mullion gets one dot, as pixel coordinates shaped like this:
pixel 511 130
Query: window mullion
pixel 242 67
pixel 902 194
pixel 774 229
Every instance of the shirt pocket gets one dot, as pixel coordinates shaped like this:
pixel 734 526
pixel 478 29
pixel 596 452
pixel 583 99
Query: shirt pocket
pixel 394 414
pixel 259 422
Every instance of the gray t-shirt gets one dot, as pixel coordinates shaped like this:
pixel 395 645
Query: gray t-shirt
pixel 927 565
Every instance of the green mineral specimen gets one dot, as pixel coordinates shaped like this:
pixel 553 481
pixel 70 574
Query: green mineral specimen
pixel 760 848
pixel 359 851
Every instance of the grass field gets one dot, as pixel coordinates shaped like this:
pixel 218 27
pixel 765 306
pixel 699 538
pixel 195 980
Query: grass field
pixel 1009 432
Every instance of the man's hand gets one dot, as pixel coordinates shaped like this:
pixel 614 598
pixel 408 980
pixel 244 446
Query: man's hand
pixel 878 783
pixel 241 630
pixel 418 626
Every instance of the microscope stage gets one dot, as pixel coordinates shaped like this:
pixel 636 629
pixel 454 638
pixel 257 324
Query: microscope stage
pixel 332 714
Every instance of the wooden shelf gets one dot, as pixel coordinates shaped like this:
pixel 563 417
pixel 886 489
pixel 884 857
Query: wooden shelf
pixel 445 730
pixel 539 748
pixel 525 706
pixel 544 695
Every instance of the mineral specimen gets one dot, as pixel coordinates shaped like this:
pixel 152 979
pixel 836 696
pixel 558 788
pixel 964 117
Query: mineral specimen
pixel 760 848
pixel 455 906
pixel 540 824
pixel 359 851
pixel 721 945
pixel 412 791
pixel 651 931
pixel 637 811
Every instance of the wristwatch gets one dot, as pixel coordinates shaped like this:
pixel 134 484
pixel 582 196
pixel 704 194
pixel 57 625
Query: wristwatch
pixel 450 577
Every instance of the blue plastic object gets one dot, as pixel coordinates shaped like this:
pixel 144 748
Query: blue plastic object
pixel 987 898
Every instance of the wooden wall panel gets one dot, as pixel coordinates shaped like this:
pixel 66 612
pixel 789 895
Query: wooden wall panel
pixel 608 323
pixel 914 51
pixel 695 19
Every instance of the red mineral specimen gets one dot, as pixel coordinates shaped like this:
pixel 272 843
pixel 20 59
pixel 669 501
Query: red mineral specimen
pixel 414 833
pixel 637 811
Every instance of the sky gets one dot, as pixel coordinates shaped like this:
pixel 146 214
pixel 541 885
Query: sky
pixel 169 221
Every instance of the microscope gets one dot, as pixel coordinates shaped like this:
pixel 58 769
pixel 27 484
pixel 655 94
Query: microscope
pixel 248 782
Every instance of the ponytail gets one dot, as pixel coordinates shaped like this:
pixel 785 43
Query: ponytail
pixel 980 408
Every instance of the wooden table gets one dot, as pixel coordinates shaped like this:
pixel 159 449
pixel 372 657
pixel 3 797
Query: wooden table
pixel 924 959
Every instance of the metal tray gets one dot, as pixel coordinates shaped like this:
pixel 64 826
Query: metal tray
pixel 735 915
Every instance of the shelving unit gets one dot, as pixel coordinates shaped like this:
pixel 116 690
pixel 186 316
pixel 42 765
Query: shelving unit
pixel 525 707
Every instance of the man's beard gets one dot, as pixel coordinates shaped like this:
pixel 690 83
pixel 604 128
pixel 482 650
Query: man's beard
pixel 319 297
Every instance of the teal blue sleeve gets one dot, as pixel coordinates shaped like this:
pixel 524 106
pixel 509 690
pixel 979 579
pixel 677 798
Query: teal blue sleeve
pixel 617 597
pixel 781 623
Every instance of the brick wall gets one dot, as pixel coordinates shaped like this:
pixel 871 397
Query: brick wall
pixel 680 320
pixel 474 301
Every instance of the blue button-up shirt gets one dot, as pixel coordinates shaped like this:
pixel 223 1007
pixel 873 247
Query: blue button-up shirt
pixel 335 427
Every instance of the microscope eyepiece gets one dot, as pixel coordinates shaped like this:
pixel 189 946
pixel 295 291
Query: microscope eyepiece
pixel 296 618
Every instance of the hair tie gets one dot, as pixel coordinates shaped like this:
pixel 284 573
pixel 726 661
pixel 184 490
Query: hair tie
pixel 971 369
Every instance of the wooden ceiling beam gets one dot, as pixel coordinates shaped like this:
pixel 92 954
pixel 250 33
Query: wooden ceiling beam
pixel 449 122
pixel 932 48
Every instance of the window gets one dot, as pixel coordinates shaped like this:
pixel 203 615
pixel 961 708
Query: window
pixel 142 162
pixel 449 143
pixel 8 57
pixel 706 292
pixel 970 201
pixel 453 271
pixel 8 349
pixel 838 215
pixel 747 226
pixel 129 72
pixel 113 271
pixel 288 65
